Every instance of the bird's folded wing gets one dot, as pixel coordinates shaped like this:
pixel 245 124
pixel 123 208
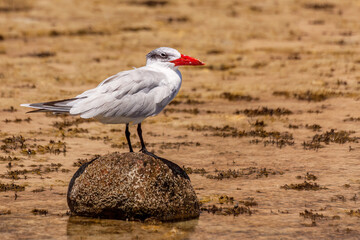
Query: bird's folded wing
pixel 135 93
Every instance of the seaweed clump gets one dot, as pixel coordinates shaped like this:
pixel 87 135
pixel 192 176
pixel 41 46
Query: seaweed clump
pixel 313 216
pixel 227 206
pixel 319 6
pixel 264 111
pixel 279 139
pixel 36 211
pixel 226 211
pixel 352 119
pixel 307 186
pixel 311 96
pixel 310 176
pixel 194 111
pixel 190 170
pixel 11 187
pixel 36 169
pixel 18 120
pixel 245 173
pixel 237 97
pixel 150 3
pixel 314 127
pixel 188 102
pixel 8 159
pixel 310 214
pixel 52 147
pixel 328 137
pixel 19 143
pixel 68 123
pixel 354 213
pixel 13 143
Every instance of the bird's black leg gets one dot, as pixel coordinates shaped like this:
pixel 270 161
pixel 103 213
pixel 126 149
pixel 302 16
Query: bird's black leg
pixel 143 148
pixel 127 134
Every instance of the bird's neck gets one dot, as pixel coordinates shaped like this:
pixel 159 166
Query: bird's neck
pixel 162 65
pixel 170 71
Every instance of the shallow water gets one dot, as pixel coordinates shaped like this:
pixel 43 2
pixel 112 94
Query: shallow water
pixel 207 226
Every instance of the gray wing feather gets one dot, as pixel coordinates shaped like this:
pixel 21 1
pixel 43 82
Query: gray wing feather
pixel 130 94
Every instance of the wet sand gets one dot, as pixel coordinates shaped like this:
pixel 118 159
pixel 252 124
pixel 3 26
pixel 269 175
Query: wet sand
pixel 268 130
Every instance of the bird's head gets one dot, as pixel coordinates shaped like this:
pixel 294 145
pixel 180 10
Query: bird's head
pixel 171 57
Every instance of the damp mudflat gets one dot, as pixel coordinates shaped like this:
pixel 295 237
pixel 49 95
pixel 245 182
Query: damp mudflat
pixel 268 130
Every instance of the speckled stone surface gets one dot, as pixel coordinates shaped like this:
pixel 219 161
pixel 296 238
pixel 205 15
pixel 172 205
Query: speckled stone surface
pixel 132 186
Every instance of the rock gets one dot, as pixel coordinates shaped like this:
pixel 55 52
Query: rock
pixel 132 186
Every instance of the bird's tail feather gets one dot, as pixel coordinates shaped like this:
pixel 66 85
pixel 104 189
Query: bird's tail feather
pixel 60 106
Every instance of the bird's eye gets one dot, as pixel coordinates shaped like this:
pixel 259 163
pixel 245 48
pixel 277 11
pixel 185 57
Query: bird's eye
pixel 163 55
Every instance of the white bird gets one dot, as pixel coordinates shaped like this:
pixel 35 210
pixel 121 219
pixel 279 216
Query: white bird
pixel 128 96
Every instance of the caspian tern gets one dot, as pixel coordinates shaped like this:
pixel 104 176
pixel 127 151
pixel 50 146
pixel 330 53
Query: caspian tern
pixel 128 96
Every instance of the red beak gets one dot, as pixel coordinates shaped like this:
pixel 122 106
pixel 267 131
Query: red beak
pixel 186 60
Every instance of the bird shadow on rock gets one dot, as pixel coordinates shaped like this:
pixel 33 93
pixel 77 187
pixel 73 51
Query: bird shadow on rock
pixel 176 169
